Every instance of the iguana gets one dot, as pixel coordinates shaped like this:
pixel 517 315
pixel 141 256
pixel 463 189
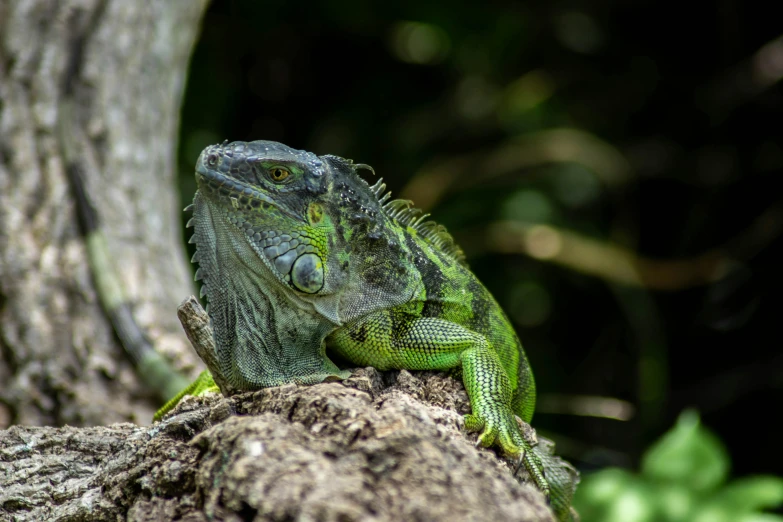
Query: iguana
pixel 299 255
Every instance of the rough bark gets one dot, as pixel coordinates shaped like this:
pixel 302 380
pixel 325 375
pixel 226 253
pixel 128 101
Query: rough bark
pixel 59 361
pixel 376 447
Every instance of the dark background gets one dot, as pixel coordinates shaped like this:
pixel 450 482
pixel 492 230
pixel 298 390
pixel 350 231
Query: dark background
pixel 650 128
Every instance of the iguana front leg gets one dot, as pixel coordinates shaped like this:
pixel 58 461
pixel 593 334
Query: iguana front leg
pixel 489 390
pixel 394 340
pixel 204 383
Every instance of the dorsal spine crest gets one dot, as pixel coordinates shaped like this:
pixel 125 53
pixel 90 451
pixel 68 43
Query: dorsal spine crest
pixel 403 212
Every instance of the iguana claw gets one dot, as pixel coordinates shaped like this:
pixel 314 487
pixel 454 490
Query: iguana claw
pixel 519 463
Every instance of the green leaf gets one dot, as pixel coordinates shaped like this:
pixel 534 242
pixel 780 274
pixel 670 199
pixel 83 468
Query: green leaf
pixel 635 504
pixel 676 503
pixel 760 517
pixel 751 494
pixel 689 455
pixel 716 515
pixel 614 495
pixel 603 487
pixel 712 513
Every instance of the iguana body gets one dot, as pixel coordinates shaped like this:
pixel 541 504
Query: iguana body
pixel 299 254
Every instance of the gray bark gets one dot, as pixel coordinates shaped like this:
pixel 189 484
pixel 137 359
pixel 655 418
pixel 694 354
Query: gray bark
pixel 376 447
pixel 59 360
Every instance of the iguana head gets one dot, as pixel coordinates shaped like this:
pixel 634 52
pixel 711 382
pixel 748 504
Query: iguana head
pixel 317 227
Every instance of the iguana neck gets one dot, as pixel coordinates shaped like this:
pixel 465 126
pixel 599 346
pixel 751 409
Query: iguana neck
pixel 264 337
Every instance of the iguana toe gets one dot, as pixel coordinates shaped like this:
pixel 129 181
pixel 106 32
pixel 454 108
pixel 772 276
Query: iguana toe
pixel 506 436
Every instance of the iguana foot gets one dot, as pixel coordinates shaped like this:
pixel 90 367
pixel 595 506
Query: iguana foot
pixel 506 435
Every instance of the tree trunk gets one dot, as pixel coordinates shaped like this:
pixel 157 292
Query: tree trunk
pixel 124 65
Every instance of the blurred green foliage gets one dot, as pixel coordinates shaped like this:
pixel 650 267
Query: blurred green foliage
pixel 683 478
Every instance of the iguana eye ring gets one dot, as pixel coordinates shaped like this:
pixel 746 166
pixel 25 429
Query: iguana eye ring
pixel 278 173
pixel 212 159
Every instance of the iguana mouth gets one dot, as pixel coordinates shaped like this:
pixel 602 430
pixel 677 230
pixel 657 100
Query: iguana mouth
pixel 225 186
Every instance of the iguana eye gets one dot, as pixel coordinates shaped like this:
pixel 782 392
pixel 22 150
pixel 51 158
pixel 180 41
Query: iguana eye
pixel 278 173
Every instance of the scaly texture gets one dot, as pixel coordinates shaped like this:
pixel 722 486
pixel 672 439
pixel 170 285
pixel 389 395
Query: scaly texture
pixel 299 254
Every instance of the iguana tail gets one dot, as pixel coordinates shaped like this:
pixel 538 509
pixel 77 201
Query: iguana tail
pixel 155 371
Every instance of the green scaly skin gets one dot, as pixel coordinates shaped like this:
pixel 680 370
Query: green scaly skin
pixel 299 254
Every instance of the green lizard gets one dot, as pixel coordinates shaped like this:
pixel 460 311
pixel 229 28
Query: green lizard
pixel 298 255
